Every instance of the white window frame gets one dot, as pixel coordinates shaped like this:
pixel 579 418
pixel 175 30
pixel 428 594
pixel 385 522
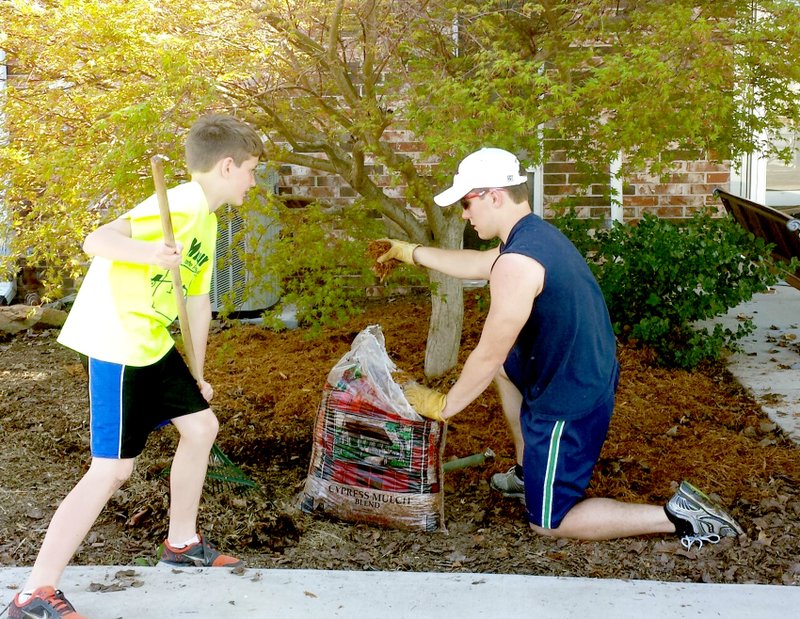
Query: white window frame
pixel 749 180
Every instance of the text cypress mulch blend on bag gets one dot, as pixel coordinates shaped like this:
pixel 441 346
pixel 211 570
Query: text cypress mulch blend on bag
pixel 374 459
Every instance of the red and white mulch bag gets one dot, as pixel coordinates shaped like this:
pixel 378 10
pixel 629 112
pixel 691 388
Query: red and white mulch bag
pixel 374 459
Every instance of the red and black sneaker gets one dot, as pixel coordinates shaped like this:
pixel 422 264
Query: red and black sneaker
pixel 199 554
pixel 44 603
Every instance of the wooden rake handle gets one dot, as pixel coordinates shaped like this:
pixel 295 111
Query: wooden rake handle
pixel 157 163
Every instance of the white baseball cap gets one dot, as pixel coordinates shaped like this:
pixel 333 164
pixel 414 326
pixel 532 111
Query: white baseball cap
pixel 485 168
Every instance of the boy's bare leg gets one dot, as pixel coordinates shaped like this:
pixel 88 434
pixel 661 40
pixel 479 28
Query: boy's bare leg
pixel 511 400
pixel 74 517
pixel 188 473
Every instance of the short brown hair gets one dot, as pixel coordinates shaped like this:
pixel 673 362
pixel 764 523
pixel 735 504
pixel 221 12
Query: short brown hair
pixel 217 136
pixel 518 193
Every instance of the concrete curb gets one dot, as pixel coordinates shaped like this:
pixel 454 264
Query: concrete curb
pixel 215 593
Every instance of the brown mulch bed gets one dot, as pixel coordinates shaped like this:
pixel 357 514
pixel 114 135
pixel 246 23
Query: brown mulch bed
pixel 668 425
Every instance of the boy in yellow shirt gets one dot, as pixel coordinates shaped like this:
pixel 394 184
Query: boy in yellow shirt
pixel 137 379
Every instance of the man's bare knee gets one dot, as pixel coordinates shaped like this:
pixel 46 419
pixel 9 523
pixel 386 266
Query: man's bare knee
pixel 544 532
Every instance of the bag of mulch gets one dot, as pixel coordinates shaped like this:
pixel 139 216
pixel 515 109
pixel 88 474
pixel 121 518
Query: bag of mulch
pixel 374 459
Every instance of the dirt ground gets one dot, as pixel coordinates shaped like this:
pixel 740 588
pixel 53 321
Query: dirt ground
pixel 668 426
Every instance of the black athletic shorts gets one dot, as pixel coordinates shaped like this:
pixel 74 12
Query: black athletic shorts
pixel 126 403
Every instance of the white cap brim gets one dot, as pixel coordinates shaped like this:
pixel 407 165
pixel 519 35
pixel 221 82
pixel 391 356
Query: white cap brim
pixel 452 195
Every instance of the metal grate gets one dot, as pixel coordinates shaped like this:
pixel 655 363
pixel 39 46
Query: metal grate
pixel 231 282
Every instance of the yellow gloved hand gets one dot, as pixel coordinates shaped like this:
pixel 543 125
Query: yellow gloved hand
pixel 400 250
pixel 427 402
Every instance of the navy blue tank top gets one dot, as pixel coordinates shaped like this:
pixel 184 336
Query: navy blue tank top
pixel 565 358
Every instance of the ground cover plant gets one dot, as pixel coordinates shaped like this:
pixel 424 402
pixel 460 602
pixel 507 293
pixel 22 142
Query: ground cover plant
pixel 668 425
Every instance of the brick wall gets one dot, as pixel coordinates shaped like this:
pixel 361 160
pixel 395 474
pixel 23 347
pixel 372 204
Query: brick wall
pixel 688 186
pixel 305 183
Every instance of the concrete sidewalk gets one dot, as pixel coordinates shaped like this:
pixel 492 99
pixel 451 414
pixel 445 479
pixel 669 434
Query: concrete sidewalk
pixel 769 365
pixel 161 593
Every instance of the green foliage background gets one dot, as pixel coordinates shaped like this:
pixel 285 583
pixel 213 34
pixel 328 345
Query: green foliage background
pixel 97 88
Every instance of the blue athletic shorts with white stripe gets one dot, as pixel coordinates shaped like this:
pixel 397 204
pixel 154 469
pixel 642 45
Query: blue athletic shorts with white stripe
pixel 126 403
pixel 558 462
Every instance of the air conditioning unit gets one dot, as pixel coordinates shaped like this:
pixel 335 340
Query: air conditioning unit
pixel 232 285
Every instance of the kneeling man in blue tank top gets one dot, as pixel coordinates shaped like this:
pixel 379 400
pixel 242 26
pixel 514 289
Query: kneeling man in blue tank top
pixel 549 346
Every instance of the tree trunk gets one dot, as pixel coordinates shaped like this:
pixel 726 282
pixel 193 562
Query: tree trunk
pixel 447 305
pixel 447 318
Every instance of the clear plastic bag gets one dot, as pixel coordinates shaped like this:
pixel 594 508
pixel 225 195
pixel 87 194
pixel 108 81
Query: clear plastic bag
pixel 369 360
pixel 374 459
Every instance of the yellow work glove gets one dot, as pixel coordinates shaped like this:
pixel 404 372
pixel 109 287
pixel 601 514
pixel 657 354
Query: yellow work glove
pixel 427 402
pixel 400 250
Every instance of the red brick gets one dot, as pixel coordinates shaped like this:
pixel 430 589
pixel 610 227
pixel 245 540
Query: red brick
pixel 550 168
pixel 707 166
pixel 672 189
pixel 558 190
pixel 554 179
pixel 687 177
pixel 703 189
pixel 695 201
pixel 640 201
pixel 718 177
pixel 668 212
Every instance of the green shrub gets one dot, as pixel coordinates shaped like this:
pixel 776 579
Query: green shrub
pixel 579 230
pixel 661 278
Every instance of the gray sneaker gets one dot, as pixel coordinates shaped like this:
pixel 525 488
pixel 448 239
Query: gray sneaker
pixel 698 518
pixel 508 484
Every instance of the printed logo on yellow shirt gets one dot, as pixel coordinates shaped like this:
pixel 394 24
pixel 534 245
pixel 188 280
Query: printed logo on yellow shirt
pixel 163 287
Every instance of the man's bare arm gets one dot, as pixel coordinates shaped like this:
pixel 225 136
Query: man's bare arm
pixel 461 263
pixel 515 282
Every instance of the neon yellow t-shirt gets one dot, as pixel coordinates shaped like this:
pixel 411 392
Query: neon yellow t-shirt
pixel 123 310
